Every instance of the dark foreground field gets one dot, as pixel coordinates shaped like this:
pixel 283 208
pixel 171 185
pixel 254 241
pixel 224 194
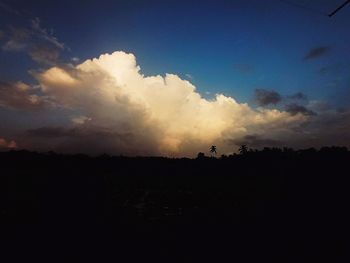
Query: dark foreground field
pixel 273 205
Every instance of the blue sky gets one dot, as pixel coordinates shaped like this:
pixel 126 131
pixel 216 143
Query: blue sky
pixel 231 47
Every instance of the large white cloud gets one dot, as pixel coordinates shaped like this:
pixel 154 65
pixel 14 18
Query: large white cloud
pixel 122 111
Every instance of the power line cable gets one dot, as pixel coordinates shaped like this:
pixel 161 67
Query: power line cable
pixel 338 8
pixel 307 8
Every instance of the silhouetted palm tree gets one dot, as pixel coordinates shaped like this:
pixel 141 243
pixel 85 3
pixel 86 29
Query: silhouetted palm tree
pixel 213 150
pixel 243 149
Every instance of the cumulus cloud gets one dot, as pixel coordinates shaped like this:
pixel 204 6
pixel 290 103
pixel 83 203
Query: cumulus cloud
pixel 130 113
pixel 317 52
pixel 20 95
pixel 266 97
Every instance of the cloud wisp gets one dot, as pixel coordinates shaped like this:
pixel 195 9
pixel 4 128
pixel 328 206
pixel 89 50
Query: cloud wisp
pixel 317 52
pixel 40 44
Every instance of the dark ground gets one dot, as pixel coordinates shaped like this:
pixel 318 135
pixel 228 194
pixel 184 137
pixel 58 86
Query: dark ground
pixel 271 205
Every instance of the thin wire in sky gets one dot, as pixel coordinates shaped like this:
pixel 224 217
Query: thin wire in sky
pixel 339 8
pixel 307 8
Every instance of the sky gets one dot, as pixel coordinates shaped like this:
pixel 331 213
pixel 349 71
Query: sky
pixel 173 77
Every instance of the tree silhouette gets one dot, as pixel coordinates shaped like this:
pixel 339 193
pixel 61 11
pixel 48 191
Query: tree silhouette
pixel 213 150
pixel 243 149
pixel 200 155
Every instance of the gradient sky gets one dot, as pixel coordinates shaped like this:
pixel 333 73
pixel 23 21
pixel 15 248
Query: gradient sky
pixel 284 55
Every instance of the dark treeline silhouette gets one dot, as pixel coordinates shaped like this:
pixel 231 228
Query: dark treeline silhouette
pixel 283 204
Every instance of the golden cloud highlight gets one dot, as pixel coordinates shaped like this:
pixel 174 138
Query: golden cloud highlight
pixel 153 114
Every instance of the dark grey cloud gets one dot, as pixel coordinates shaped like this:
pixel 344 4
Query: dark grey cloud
pixel 326 129
pixel 317 52
pixel 20 96
pixel 76 132
pixel 53 132
pixel 256 141
pixel 265 97
pixel 294 109
pixel 342 110
pixel 85 138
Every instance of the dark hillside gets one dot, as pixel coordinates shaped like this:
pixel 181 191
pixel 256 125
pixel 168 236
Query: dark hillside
pixel 283 204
